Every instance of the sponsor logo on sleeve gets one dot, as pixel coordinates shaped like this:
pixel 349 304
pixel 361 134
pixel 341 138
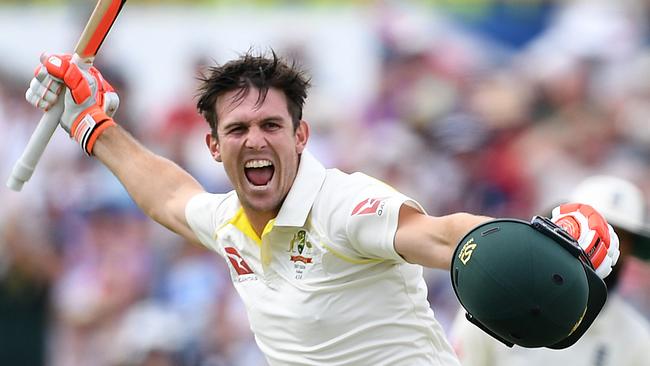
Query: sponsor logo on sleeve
pixel 370 206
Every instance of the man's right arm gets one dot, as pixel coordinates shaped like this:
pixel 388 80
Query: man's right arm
pixel 157 185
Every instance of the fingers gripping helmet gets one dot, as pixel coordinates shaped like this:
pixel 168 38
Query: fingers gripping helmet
pixel 528 284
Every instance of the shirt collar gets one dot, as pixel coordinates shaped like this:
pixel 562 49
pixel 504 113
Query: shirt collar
pixel 303 192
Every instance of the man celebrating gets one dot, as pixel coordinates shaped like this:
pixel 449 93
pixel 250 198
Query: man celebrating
pixel 328 264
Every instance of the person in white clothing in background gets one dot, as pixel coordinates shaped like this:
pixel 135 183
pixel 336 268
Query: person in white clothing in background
pixel 620 336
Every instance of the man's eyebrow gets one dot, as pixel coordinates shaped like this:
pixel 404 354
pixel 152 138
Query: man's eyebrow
pixel 272 119
pixel 239 123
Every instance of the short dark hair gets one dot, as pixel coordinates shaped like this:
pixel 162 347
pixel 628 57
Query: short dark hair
pixel 253 70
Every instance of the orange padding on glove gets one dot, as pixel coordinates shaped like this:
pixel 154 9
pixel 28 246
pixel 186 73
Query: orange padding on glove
pixel 597 248
pixel 90 123
pixel 60 67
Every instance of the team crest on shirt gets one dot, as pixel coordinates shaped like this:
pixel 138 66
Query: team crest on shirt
pixel 300 251
pixel 370 206
pixel 298 246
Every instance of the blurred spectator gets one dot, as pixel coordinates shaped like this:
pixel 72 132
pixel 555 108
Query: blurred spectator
pixel 29 264
pixel 106 259
pixel 148 335
pixel 179 122
pixel 227 339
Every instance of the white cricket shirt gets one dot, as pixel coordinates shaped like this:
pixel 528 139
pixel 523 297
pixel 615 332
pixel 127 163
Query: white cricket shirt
pixel 324 284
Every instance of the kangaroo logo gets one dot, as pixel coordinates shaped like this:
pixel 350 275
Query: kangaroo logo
pixel 466 251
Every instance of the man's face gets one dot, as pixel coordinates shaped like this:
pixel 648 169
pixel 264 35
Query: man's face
pixel 258 147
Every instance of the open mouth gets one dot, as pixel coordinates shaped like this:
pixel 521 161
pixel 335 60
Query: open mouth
pixel 259 172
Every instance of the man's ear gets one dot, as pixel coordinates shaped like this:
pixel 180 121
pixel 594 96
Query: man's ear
pixel 302 135
pixel 213 146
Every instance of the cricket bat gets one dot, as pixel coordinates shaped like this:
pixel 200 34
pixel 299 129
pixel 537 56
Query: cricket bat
pixel 100 22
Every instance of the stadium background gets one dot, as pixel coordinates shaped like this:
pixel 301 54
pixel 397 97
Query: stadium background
pixel 495 107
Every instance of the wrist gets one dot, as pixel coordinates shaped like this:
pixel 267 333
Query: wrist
pixel 98 132
pixel 88 126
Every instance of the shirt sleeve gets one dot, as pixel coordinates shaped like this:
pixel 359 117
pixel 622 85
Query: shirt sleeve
pixel 203 213
pixel 372 220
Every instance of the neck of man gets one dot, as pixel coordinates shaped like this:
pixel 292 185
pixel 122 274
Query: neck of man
pixel 258 220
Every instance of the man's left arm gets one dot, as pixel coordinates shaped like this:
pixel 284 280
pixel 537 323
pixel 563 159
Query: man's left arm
pixel 430 241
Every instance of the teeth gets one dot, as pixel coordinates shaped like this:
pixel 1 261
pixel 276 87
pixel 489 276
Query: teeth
pixel 258 163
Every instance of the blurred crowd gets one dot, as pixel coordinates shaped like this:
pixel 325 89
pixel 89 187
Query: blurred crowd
pixel 500 111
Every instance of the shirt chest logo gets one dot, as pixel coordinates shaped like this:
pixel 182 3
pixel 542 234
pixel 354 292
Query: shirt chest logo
pixel 237 261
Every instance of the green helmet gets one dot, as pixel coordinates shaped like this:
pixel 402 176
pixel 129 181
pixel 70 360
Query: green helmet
pixel 528 284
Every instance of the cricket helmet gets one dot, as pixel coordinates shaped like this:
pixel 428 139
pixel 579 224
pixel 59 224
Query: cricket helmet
pixel 528 284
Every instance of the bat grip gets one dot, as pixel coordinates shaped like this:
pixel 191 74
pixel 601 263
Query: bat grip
pixel 25 165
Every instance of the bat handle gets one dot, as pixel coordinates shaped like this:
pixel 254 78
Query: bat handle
pixel 25 165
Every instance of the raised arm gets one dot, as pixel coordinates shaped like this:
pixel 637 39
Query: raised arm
pixel 157 185
pixel 431 241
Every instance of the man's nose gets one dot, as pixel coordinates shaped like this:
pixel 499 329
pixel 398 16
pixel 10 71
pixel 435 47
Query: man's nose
pixel 256 139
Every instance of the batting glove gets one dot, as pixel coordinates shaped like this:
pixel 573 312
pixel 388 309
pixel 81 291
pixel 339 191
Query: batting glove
pixel 592 232
pixel 90 101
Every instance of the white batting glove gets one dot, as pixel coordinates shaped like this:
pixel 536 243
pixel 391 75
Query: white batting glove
pixel 43 90
pixel 592 232
pixel 90 101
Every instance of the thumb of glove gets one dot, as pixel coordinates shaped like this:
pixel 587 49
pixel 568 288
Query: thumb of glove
pixel 111 103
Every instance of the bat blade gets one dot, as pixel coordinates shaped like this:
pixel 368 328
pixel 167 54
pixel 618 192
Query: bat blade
pixel 99 24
